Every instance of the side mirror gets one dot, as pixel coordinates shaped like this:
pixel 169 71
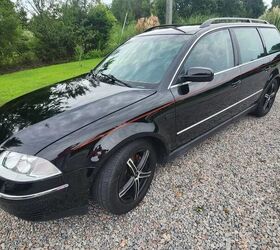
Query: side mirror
pixel 197 74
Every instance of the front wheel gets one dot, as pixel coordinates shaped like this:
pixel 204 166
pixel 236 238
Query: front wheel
pixel 267 100
pixel 126 177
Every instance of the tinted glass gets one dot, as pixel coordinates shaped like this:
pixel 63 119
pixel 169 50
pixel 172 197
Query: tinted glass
pixel 250 44
pixel 271 39
pixel 143 61
pixel 212 51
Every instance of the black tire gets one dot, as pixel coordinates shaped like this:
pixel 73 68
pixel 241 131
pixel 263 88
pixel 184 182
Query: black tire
pixel 116 186
pixel 267 99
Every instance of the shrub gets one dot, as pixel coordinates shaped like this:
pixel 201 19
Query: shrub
pixel 26 45
pixel 23 52
pixel 96 53
pixel 117 37
pixel 97 27
pixel 56 41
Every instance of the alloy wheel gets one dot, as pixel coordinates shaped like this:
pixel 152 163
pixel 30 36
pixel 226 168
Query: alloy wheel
pixel 270 96
pixel 135 176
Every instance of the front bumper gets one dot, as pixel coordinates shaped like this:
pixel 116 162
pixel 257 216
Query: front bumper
pixel 31 196
pixel 45 200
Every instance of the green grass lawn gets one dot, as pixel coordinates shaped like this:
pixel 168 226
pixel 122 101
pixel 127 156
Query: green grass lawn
pixel 19 83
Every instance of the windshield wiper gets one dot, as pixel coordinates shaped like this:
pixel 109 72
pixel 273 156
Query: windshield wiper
pixel 116 80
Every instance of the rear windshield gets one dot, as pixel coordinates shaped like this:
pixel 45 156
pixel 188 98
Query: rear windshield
pixel 143 61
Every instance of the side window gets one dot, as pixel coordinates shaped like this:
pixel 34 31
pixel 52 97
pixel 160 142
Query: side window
pixel 212 51
pixel 272 39
pixel 250 44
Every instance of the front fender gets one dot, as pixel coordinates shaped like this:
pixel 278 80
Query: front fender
pixel 114 140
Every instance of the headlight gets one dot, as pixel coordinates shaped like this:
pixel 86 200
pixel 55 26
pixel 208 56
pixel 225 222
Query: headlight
pixel 24 168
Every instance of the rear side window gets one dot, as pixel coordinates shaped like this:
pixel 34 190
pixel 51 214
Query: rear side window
pixel 250 44
pixel 272 39
pixel 212 51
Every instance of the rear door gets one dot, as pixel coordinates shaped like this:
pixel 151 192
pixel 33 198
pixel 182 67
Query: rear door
pixel 207 104
pixel 271 38
pixel 253 65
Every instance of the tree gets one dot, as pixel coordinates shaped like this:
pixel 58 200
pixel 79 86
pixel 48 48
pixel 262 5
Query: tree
pixel 56 41
pixel 97 27
pixel 204 7
pixel 22 14
pixel 159 9
pixel 73 15
pixel 186 8
pixel 254 8
pixel 275 3
pixel 142 8
pixel 230 8
pixel 121 7
pixel 134 8
pixel 9 30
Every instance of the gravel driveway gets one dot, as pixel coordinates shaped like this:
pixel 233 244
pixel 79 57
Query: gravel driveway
pixel 224 193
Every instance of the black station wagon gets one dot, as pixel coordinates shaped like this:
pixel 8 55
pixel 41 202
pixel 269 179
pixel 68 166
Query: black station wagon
pixel 100 135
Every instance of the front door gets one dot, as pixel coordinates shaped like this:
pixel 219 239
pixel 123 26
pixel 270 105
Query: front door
pixel 201 106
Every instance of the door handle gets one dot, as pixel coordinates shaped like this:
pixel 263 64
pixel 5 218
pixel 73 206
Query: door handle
pixel 235 84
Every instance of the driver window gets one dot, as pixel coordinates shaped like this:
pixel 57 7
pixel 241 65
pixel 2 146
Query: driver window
pixel 212 51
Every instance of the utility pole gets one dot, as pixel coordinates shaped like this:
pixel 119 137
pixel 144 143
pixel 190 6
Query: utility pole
pixel 169 11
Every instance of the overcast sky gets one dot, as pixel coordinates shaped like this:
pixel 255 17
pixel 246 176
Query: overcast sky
pixel 268 2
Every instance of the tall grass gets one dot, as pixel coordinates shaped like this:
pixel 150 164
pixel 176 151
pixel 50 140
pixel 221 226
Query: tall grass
pixel 272 16
pixel 116 38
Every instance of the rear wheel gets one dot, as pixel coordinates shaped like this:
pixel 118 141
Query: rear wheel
pixel 267 100
pixel 126 177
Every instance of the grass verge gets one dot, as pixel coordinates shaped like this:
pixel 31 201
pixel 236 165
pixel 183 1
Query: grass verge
pixel 22 82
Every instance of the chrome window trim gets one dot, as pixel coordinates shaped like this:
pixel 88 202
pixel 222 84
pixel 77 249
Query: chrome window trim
pixel 31 196
pixel 197 40
pixel 220 112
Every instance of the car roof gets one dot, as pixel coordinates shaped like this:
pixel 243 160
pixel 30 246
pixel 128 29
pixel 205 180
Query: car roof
pixel 206 26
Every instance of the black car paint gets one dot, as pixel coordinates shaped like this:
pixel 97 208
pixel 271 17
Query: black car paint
pixel 58 110
pixel 78 124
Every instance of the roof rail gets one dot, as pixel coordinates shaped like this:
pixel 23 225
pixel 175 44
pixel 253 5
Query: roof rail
pixel 231 20
pixel 172 26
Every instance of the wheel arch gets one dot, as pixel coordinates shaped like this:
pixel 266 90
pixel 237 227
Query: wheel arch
pixel 278 80
pixel 275 75
pixel 109 144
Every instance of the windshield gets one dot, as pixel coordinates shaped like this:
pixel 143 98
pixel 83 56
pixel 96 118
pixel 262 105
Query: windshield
pixel 143 61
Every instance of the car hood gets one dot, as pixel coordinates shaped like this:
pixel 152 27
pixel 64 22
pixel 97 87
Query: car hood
pixel 32 122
